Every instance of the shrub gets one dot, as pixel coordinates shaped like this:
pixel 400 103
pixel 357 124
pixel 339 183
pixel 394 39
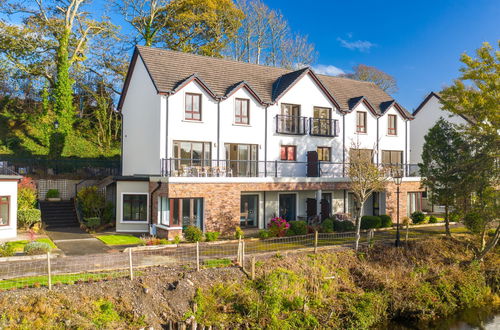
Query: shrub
pixel 417 217
pixel 327 226
pixel 386 221
pixel 193 234
pixel 297 228
pixel 212 236
pixel 177 239
pixel 26 218
pixel 238 232
pixel 34 248
pixel 151 240
pixel 433 219
pixel 370 222
pixel 343 225
pixel 278 227
pixel 91 201
pixel 92 222
pixel 263 233
pixel 26 194
pixel 52 193
pixel 474 222
pixel 6 250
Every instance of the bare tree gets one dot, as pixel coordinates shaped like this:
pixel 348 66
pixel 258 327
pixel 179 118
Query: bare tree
pixel 369 73
pixel 278 30
pixel 365 178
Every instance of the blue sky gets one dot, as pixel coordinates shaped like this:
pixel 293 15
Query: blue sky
pixel 418 42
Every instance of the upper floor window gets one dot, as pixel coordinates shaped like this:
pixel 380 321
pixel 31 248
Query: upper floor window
pixel 4 210
pixel 392 157
pixel 192 109
pixel 324 154
pixel 392 127
pixel 242 112
pixel 360 122
pixel 288 153
pixel 360 155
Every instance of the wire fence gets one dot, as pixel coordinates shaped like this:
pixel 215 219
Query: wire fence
pixel 48 270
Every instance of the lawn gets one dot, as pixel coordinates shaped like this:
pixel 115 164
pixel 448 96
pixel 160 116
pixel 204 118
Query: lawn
pixel 119 239
pixel 18 246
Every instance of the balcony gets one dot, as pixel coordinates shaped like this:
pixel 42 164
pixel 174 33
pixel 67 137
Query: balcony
pixel 202 168
pixel 293 125
pixel 323 127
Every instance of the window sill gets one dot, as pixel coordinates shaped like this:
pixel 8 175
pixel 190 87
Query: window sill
pixel 135 222
pixel 391 135
pixel 361 133
pixel 243 125
pixel 192 121
pixel 165 227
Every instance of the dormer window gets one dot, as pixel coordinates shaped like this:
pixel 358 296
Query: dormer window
pixel 360 122
pixel 242 111
pixel 392 126
pixel 192 107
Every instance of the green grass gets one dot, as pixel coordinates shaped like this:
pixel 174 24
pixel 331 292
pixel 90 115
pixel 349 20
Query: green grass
pixel 212 263
pixel 18 246
pixel 119 239
pixel 37 281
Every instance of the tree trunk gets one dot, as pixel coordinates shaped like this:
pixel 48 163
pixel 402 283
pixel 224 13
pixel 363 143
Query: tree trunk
pixel 358 226
pixel 490 245
pixel 447 221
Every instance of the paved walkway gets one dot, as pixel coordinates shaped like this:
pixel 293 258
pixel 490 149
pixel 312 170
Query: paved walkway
pixel 73 241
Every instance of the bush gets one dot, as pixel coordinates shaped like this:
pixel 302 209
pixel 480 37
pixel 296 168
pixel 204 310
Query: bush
pixel 26 194
pixel 263 233
pixel 474 222
pixel 6 250
pixel 327 226
pixel 370 222
pixel 92 222
pixel 433 219
pixel 193 234
pixel 92 202
pixel 386 221
pixel 177 239
pixel 278 227
pixel 417 217
pixel 212 236
pixel 52 193
pixel 151 240
pixel 297 228
pixel 26 218
pixel 238 232
pixel 34 248
pixel 343 225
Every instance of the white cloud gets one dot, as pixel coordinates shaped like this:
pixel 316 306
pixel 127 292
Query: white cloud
pixel 327 69
pixel 361 45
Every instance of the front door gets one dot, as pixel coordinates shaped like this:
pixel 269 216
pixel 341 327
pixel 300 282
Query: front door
pixel 288 207
pixel 249 210
pixel 326 205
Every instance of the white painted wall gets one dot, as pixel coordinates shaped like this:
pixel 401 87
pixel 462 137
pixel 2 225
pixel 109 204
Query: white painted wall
pixel 141 125
pixel 132 187
pixel 393 142
pixel 9 188
pixel 424 120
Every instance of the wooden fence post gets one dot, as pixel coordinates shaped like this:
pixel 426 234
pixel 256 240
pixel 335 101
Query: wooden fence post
pixel 316 241
pixel 243 255
pixel 49 274
pixel 197 256
pixel 253 268
pixel 131 268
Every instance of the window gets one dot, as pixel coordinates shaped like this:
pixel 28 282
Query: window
pixel 360 122
pixel 392 157
pixel 4 210
pixel 321 123
pixel 361 155
pixel 242 112
pixel 185 212
pixel 135 207
pixel 189 153
pixel 392 128
pixel 290 121
pixel 288 153
pixel 414 202
pixel 192 109
pixel 324 154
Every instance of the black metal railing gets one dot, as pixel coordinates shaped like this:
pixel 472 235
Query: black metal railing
pixel 176 167
pixel 323 127
pixel 294 125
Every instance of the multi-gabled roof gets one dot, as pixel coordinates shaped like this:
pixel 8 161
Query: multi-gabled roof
pixel 171 70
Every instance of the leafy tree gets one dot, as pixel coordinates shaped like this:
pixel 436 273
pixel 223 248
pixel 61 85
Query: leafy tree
pixel 441 167
pixel 369 73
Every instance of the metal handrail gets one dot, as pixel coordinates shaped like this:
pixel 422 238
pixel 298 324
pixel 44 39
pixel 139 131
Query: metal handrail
pixel 323 127
pixel 294 125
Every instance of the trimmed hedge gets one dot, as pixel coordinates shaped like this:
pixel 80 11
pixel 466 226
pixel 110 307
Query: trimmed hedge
pixel 417 217
pixel 26 218
pixel 193 234
pixel 92 222
pixel 370 222
pixel 433 219
pixel 386 221
pixel 344 225
pixel 297 228
pixel 327 226
pixel 52 193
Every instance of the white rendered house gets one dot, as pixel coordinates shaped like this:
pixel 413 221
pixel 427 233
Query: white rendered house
pixel 8 205
pixel 219 143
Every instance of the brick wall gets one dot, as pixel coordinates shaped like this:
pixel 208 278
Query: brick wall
pixel 391 198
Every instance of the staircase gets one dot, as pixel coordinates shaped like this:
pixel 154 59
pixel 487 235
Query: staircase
pixel 59 214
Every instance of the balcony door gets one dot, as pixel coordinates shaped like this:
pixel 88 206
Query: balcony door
pixel 242 159
pixel 321 122
pixel 290 118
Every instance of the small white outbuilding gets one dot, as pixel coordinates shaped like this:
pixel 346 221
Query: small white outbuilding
pixel 8 205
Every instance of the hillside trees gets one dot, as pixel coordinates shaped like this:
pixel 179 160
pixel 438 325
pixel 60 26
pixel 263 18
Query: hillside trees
pixel 369 73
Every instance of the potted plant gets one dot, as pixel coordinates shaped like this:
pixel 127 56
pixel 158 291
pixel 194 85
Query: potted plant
pixel 52 195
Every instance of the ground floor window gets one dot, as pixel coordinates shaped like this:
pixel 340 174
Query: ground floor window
pixel 414 202
pixel 4 210
pixel 180 212
pixel 135 207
